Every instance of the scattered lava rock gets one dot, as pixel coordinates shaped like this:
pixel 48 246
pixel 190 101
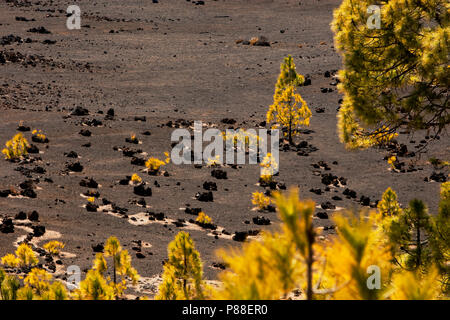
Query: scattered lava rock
pixel 91 207
pixel 142 191
pixel 219 174
pixel 7 226
pixel 4 193
pixel 33 149
pixel 27 189
pixel 48 41
pixel 75 167
pixel 349 193
pixel 260 41
pixel 327 205
pixel 228 121
pixel 260 220
pixel 40 30
pixel 438 177
pixel 98 247
pixel 209 185
pixel 210 226
pixel 328 179
pixel 138 161
pixel 193 211
pixel 158 216
pixel 219 265
pixel 204 196
pixel 38 231
pixel 89 183
pixel 322 215
pixel 365 201
pixel 23 128
pixel 33 216
pixel 80 111
pixel 20 216
pixel 85 133
pixel 240 236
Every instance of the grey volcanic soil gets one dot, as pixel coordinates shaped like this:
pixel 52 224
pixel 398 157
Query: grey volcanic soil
pixel 167 61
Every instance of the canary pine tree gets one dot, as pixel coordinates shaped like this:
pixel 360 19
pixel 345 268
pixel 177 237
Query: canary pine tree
pixel 440 239
pixel 395 75
pixel 183 272
pixel 288 110
pixel 359 244
pixel 261 270
pixel 288 76
pixel 96 287
pixel 297 221
pixel 341 265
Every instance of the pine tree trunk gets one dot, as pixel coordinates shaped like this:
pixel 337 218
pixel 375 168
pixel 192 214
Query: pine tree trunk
pixel 419 249
pixel 309 290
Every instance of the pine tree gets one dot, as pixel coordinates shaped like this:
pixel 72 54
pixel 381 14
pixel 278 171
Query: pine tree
pixel 288 76
pixel 261 270
pixel 297 218
pixel 388 206
pixel 397 75
pixel 96 287
pixel 359 244
pixel 183 274
pixel 440 238
pixel 289 111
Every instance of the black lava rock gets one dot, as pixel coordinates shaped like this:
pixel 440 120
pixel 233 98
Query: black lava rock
pixel 193 211
pixel 89 183
pixel 260 220
pixel 38 231
pixel 327 205
pixel 322 215
pixel 7 226
pixel 85 133
pixel 365 201
pixel 240 236
pixel 75 166
pixel 33 216
pixel 20 216
pixel 79 111
pixel 219 174
pixel 208 185
pixel 204 196
pixel 98 247
pixel 91 207
pixel 349 193
pixel 142 191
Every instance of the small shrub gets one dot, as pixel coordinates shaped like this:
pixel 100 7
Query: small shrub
pixel 24 257
pixel 260 200
pixel 214 163
pixel 154 165
pixel 132 139
pixel 38 136
pixel 16 147
pixel 269 165
pixel 203 219
pixel 54 247
pixel 136 179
